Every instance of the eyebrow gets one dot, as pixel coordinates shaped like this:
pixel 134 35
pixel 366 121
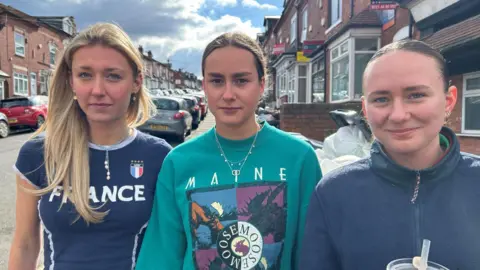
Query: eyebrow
pixel 406 89
pixel 107 69
pixel 235 75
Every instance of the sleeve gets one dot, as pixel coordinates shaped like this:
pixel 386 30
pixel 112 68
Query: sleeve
pixel 309 178
pixel 318 252
pixel 164 244
pixel 29 164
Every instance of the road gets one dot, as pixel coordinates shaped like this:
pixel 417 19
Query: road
pixel 9 148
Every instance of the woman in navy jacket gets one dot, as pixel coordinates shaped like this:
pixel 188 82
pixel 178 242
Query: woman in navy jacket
pixel 415 185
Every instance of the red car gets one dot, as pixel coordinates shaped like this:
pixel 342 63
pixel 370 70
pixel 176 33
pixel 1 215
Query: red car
pixel 25 112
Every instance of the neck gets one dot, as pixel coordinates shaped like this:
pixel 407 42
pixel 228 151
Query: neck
pixel 421 159
pixel 108 134
pixel 244 131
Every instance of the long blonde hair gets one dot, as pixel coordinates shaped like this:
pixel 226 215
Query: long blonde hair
pixel 66 149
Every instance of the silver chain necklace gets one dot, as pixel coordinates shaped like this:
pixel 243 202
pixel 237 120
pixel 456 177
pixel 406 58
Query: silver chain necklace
pixel 107 158
pixel 236 173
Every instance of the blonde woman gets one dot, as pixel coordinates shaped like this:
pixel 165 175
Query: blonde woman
pixel 88 179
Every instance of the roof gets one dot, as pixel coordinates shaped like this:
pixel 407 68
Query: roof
pixel 31 19
pixel 455 35
pixel 4 74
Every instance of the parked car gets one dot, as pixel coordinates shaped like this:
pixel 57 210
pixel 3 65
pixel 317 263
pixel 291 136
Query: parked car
pixel 193 109
pixel 25 112
pixel 4 127
pixel 202 103
pixel 172 118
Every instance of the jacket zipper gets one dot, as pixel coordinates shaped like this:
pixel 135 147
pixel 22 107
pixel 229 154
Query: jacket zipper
pixel 416 210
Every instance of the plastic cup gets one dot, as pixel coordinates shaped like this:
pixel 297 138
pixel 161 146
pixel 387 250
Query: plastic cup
pixel 406 264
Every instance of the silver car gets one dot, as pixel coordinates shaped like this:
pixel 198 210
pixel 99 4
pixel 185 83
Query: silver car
pixel 172 118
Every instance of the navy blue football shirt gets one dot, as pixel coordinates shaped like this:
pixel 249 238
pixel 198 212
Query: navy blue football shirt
pixel 128 195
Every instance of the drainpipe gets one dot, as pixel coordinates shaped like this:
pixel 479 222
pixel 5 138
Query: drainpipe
pixel 410 25
pixel 352 8
pixel 325 68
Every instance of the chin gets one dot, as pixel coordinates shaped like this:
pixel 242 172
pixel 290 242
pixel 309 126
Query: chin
pixel 100 118
pixel 403 147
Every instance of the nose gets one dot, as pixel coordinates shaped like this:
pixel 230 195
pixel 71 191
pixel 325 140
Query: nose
pixel 228 93
pixel 98 88
pixel 399 112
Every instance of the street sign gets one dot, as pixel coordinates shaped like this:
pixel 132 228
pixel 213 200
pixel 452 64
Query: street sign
pixel 383 4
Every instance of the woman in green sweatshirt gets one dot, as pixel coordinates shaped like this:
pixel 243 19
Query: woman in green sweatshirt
pixel 236 196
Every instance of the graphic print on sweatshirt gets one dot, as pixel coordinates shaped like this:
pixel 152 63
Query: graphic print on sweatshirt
pixel 239 227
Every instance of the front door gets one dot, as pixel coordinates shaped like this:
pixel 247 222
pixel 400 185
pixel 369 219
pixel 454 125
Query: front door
pixel 2 90
pixel 33 84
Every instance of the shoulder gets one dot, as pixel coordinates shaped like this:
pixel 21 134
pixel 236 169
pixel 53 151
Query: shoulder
pixel 470 160
pixel 193 145
pixel 152 143
pixel 287 140
pixel 345 176
pixel 34 145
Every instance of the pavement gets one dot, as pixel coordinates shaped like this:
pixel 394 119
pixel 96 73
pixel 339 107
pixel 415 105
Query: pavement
pixel 9 148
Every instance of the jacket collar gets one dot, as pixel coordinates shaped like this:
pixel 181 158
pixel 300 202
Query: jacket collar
pixel 386 168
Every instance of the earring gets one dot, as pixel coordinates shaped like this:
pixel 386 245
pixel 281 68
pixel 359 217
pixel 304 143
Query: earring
pixel 74 97
pixel 133 98
pixel 447 114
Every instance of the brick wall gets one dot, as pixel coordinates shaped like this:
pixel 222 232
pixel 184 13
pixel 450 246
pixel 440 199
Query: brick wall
pixel 37 53
pixel 312 120
pixel 358 7
pixel 315 16
pixel 402 19
pixel 283 26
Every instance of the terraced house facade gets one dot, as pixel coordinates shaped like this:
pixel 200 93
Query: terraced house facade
pixel 321 47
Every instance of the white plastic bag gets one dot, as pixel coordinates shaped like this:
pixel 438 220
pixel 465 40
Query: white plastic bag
pixel 348 140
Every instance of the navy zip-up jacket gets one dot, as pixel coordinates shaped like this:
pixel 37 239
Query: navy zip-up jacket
pixel 367 214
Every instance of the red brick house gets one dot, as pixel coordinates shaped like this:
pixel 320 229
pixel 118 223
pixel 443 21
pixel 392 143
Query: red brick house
pixel 350 32
pixel 29 47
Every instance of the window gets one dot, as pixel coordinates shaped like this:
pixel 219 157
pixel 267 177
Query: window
pixel 1 90
pixel 53 53
pixel 365 48
pixel 19 44
pixel 291 83
pixel 318 80
pixel 350 57
pixel 335 11
pixel 293 28
pixel 302 83
pixel 304 25
pixel 339 72
pixel 20 84
pixel 471 104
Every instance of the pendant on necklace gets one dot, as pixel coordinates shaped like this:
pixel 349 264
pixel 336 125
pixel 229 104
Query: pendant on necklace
pixel 236 173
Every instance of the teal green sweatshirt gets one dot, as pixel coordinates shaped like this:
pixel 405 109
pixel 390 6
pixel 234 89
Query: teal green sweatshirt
pixel 205 217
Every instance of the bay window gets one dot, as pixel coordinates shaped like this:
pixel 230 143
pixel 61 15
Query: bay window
pixel 318 80
pixel 471 104
pixel 348 62
pixel 291 83
pixel 20 84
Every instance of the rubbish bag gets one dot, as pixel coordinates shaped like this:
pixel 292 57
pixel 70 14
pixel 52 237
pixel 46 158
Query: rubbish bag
pixel 348 140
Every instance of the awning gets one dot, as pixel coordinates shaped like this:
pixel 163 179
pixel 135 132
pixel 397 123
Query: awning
pixel 4 74
pixel 455 35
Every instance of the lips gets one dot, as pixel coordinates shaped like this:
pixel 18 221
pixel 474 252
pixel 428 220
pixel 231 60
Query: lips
pixel 100 105
pixel 402 133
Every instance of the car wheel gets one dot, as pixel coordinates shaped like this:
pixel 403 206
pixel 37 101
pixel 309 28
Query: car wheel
pixel 4 129
pixel 40 121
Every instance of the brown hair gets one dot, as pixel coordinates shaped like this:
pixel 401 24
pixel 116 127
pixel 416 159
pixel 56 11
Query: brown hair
pixel 241 41
pixel 417 47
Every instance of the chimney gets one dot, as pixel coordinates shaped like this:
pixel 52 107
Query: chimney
pixel 140 49
pixel 150 55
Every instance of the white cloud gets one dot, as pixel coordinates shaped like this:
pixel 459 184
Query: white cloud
pixel 225 3
pixel 195 38
pixel 255 4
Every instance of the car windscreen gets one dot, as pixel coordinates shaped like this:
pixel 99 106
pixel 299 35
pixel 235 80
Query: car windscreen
pixel 166 104
pixel 9 103
pixel 190 102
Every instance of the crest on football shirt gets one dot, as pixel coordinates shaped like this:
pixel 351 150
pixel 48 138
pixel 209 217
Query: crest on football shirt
pixel 136 168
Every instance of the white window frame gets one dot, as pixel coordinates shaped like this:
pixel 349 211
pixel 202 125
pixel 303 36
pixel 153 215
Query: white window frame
pixel 19 44
pixel 467 94
pixel 314 72
pixel 339 19
pixel 2 89
pixel 304 24
pixel 292 88
pixel 22 80
pixel 341 56
pixel 297 82
pixel 350 38
pixel 52 49
pixel 293 28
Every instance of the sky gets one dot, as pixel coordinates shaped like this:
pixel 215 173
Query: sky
pixel 175 30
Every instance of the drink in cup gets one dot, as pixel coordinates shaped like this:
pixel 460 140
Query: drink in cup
pixel 407 264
